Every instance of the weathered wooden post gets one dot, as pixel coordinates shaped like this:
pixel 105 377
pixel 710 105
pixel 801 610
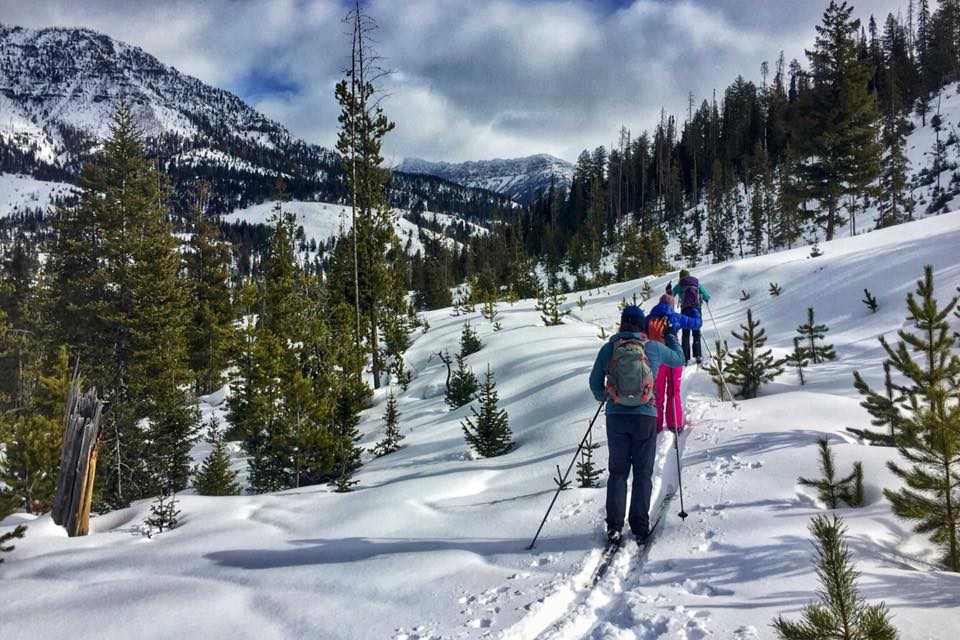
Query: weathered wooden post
pixel 78 460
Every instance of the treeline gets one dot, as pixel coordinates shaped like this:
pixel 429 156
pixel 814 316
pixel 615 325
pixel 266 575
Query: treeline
pixel 756 168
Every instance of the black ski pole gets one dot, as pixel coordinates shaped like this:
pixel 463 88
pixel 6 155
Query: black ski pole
pixel 564 478
pixel 676 445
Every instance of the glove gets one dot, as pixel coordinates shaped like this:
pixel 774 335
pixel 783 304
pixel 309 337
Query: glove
pixel 670 288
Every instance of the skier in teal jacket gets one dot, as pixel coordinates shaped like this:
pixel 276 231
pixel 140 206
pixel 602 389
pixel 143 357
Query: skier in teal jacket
pixel 691 295
pixel 631 430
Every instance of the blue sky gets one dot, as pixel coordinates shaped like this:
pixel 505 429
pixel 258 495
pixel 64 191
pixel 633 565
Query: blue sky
pixel 471 79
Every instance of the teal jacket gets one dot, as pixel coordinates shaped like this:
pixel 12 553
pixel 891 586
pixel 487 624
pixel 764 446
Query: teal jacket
pixel 668 354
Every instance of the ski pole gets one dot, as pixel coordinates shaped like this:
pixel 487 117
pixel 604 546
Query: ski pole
pixel 676 445
pixel 564 478
pixel 723 378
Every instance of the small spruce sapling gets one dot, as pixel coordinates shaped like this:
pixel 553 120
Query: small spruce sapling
pixel 602 334
pixel 214 477
pixel 18 532
pixel 719 367
pixel 798 358
pixel 775 289
pixel 830 489
pixel 750 367
pixel 469 341
pixel 163 514
pixel 870 301
pixel 587 471
pixel 488 430
pixel 853 492
pixel 552 315
pixel 490 310
pixel 560 482
pixel 581 303
pixel 841 612
pixel 646 291
pixel 463 385
pixel 815 251
pixel 391 435
pixel 812 333
pixel 744 296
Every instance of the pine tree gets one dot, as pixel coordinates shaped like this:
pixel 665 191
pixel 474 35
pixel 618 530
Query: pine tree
pixel 751 368
pixel 117 302
pixel 587 471
pixel 928 435
pixel 896 205
pixel 463 385
pixel 552 315
pixel 210 324
pixel 812 333
pixel 885 409
pixel 798 358
pixel 214 477
pixel 17 533
pixel 830 489
pixel 163 514
pixel 469 341
pixel 719 368
pixel 391 435
pixel 841 613
pixel 361 256
pixel 836 132
pixel 489 310
pixel 870 301
pixel 488 431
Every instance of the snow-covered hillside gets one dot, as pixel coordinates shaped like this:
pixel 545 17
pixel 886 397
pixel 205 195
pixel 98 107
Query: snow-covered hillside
pixel 432 543
pixel 522 179
pixel 20 193
pixel 322 221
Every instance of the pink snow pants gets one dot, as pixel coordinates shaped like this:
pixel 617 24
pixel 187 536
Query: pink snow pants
pixel 668 392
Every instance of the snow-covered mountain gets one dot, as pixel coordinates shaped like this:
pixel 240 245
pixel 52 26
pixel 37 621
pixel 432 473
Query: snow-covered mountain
pixel 58 88
pixel 432 543
pixel 519 178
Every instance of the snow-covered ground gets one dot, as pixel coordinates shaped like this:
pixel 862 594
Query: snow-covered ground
pixel 19 193
pixel 432 543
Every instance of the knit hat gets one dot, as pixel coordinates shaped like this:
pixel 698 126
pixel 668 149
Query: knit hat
pixel 632 314
pixel 684 273
pixel 666 299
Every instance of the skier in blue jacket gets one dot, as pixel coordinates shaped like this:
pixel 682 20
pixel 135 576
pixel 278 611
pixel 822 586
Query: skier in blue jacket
pixel 631 430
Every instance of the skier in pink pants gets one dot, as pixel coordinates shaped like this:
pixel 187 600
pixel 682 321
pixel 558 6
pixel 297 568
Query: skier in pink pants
pixel 663 319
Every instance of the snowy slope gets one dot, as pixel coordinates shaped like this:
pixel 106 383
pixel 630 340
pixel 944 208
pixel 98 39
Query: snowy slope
pixel 432 542
pixel 20 193
pixel 322 221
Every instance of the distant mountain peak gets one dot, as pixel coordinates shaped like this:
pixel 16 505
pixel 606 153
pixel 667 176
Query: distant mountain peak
pixel 522 179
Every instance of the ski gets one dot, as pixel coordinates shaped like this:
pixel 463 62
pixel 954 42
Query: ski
pixel 610 550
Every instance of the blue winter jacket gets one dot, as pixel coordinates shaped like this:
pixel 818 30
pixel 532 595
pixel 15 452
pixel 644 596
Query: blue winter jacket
pixel 676 320
pixel 668 354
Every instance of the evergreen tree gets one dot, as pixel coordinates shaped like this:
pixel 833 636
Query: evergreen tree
pixel 896 205
pixel 836 132
pixel 214 477
pixel 488 431
pixel 163 514
pixel 587 471
pixel 719 368
pixel 463 385
pixel 361 255
pixel 5 538
pixel 469 341
pixel 841 613
pixel 118 303
pixel 554 298
pixel 798 358
pixel 830 489
pixel 812 333
pixel 885 408
pixel 751 368
pixel 928 435
pixel 391 435
pixel 210 324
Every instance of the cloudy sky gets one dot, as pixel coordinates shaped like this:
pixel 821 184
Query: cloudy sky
pixel 470 79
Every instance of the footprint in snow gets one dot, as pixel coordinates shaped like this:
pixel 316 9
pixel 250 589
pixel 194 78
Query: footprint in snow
pixel 697 588
pixel 748 632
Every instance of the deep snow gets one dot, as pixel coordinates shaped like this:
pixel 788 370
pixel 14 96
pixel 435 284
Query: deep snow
pixel 432 544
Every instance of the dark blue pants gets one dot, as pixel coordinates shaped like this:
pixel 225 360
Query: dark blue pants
pixel 632 441
pixel 685 340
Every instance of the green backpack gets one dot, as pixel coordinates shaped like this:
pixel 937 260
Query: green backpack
pixel 629 375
